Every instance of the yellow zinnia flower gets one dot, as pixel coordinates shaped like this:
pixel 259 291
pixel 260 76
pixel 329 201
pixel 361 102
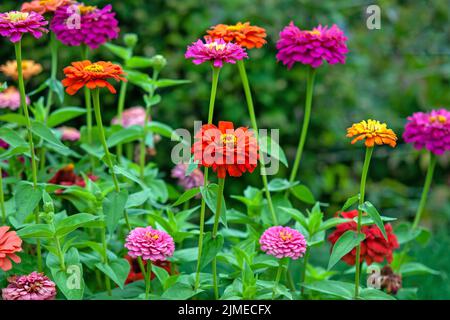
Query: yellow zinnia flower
pixel 29 69
pixel 374 132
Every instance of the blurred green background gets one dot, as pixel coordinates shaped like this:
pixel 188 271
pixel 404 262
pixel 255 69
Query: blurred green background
pixel 389 74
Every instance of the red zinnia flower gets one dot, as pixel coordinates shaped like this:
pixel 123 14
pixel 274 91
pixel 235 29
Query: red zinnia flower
pixel 226 150
pixel 67 177
pixel 374 248
pixel 135 271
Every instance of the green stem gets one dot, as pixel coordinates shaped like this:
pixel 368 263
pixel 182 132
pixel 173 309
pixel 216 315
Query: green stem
pixel 303 274
pixel 105 260
pixel 251 111
pixel 362 190
pixel 306 119
pixel 2 197
pixel 148 280
pixel 60 254
pixel 425 191
pixel 120 107
pixel 214 234
pixel 23 102
pixel 88 103
pixel 215 81
pixel 282 262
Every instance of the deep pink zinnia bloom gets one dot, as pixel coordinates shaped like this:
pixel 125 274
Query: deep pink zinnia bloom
pixel 79 24
pixel 134 116
pixel 14 24
pixel 150 244
pixel 311 47
pixel 69 134
pixel 283 242
pixel 10 99
pixel 194 180
pixel 35 286
pixel 429 130
pixel 216 51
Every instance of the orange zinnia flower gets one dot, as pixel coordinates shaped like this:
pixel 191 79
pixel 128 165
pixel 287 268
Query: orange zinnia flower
pixel 44 6
pixel 374 132
pixel 242 34
pixel 91 75
pixel 29 69
pixel 10 243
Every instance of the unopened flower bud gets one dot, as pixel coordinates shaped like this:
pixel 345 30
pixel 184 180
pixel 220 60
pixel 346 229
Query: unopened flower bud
pixel 159 62
pixel 130 40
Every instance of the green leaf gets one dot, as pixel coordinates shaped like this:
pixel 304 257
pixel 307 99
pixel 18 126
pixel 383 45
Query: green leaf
pixel 350 201
pixel 278 184
pixel 192 165
pixel 125 135
pixel 113 208
pixel 26 199
pixel 268 146
pixel 12 137
pixel 186 196
pixel 57 87
pixel 139 62
pixel 117 270
pixel 163 83
pixel 297 216
pixel 40 130
pixel 211 248
pixel 179 291
pixel 137 199
pixel 209 193
pixel 14 118
pixel 338 289
pixel 36 231
pixel 161 274
pixel 151 100
pixel 11 152
pixel 128 174
pixel 332 222
pixel 73 222
pixel 415 268
pixel 64 114
pixel 161 128
pixel 140 79
pixel 303 193
pixel 374 294
pixel 373 213
pixel 344 245
pixel 121 52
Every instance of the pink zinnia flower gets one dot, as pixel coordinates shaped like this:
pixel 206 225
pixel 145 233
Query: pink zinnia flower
pixel 283 242
pixel 69 134
pixel 311 47
pixel 150 244
pixel 79 24
pixel 14 24
pixel 429 130
pixel 134 116
pixel 10 99
pixel 194 180
pixel 10 243
pixel 35 286
pixel 216 51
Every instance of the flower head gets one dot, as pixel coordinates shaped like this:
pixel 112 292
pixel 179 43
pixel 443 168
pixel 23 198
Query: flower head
pixel 135 273
pixel 150 244
pixel 29 69
pixel 283 242
pixel 91 75
pixel 14 24
pixel 226 150
pixel 69 134
pixel 374 248
pixel 215 51
pixel 194 180
pixel 429 130
pixel 10 98
pixel 67 177
pixel 311 47
pixel 35 286
pixel 242 34
pixel 44 6
pixel 373 132
pixel 134 116
pixel 10 243
pixel 78 24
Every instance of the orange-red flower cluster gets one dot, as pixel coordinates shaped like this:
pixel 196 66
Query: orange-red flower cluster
pixel 242 34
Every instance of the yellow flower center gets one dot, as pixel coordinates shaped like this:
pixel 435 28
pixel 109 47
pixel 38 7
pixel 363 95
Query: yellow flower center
pixel 439 118
pixel 151 235
pixel 44 2
pixel 15 16
pixel 86 9
pixel 94 68
pixel 215 45
pixel 285 235
pixel 237 27
pixel 315 32
pixel 228 138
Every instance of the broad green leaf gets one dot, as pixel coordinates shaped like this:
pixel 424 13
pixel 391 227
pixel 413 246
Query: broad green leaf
pixel 12 137
pixel 113 208
pixel 161 274
pixel 332 222
pixel 36 231
pixel 344 290
pixel 344 245
pixel 139 62
pixel 297 216
pixel 26 199
pixel 121 52
pixel 349 202
pixel 278 184
pixel 268 146
pixel 125 135
pixel 209 193
pixel 415 268
pixel 14 118
pixel 373 213
pixel 73 222
pixel 211 247
pixel 64 114
pixel 186 196
pixel 14 151
pixel 374 294
pixel 179 291
pixel 192 165
pixel 128 174
pixel 303 193
pixel 163 83
pixel 117 270
pixel 137 199
pixel 57 87
pixel 40 130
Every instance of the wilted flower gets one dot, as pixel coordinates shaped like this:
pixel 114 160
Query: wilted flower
pixel 226 150
pixel 67 177
pixel 429 130
pixel 283 242
pixel 215 51
pixel 35 286
pixel 79 24
pixel 44 6
pixel 373 132
pixel 91 75
pixel 311 47
pixel 150 244
pixel 10 99
pixel 194 180
pixel 29 69
pixel 10 243
pixel 69 134
pixel 134 116
pixel 242 34
pixel 14 24
pixel 374 248
pixel 135 273
pixel 390 281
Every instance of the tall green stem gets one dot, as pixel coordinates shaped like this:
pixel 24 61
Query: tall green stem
pixel 214 235
pixel 88 103
pixel 362 191
pixel 306 119
pixel 23 102
pixel 425 191
pixel 281 265
pixel 215 81
pixel 148 278
pixel 120 107
pixel 2 197
pixel 303 275
pixel 105 260
pixel 251 111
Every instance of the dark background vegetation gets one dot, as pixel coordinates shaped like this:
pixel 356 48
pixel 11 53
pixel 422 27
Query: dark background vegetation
pixel 389 74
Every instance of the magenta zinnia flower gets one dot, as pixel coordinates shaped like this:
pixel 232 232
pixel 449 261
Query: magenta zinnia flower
pixel 35 286
pixel 429 130
pixel 14 24
pixel 10 99
pixel 69 134
pixel 194 180
pixel 216 51
pixel 134 116
pixel 79 24
pixel 150 244
pixel 283 242
pixel 311 47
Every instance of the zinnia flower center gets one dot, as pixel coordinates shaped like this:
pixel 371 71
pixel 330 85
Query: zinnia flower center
pixel 439 118
pixel 235 28
pixel 228 138
pixel 315 32
pixel 16 16
pixel 285 235
pixel 94 68
pixel 44 2
pixel 215 45
pixel 86 9
pixel 150 235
